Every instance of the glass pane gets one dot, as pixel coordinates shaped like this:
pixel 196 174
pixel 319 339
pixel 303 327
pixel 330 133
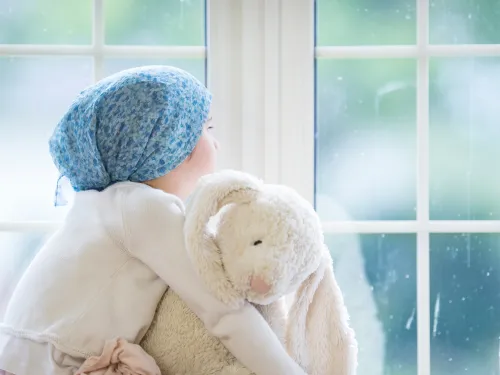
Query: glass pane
pixel 34 93
pixel 194 66
pixel 16 252
pixel 46 21
pixel 465 301
pixel 464 136
pixel 464 21
pixel 377 276
pixel 155 22
pixel 365 22
pixel 365 145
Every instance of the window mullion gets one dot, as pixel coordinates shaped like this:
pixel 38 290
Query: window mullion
pixel 29 226
pixel 297 96
pixel 98 38
pixel 253 89
pixel 272 142
pixel 423 237
pixel 224 77
pixel 409 51
pixel 244 77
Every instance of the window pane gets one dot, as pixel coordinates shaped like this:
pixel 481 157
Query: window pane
pixel 34 93
pixel 365 146
pixel 16 252
pixel 194 66
pixel 377 276
pixel 464 21
pixel 155 22
pixel 465 301
pixel 46 21
pixel 365 22
pixel 464 152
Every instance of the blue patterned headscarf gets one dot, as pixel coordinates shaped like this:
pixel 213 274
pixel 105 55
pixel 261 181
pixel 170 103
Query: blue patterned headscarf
pixel 135 125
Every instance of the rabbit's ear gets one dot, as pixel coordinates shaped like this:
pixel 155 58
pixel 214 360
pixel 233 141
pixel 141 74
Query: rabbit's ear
pixel 318 335
pixel 211 194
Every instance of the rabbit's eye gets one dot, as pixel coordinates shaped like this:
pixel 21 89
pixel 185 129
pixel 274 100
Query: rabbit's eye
pixel 256 243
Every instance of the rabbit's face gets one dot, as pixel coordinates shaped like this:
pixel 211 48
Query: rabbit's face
pixel 269 245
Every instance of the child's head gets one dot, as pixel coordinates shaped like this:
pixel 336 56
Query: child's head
pixel 147 124
pixel 181 180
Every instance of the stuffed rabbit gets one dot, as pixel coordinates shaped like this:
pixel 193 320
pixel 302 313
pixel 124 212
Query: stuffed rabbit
pixel 266 243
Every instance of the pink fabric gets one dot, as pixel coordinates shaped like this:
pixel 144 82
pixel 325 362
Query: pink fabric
pixel 120 357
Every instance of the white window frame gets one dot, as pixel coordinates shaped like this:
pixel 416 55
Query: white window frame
pixel 297 26
pixel 261 62
pixel 261 70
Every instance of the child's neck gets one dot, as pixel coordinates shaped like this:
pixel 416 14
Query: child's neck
pixel 168 185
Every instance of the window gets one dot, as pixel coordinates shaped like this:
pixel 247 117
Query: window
pixel 49 51
pixel 406 180
pixel 384 113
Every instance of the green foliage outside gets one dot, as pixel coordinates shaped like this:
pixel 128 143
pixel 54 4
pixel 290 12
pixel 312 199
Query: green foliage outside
pixel 366 158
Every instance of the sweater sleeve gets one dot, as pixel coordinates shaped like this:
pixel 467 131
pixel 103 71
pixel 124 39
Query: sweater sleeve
pixel 153 226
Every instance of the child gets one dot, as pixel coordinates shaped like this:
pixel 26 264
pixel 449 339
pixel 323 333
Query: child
pixel 132 146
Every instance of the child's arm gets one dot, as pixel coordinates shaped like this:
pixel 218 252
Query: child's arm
pixel 153 231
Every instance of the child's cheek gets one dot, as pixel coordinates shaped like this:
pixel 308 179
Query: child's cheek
pixel 205 155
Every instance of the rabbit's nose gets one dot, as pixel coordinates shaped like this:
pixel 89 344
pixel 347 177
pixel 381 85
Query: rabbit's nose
pixel 258 285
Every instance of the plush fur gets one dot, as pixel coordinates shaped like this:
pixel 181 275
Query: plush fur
pixel 267 231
